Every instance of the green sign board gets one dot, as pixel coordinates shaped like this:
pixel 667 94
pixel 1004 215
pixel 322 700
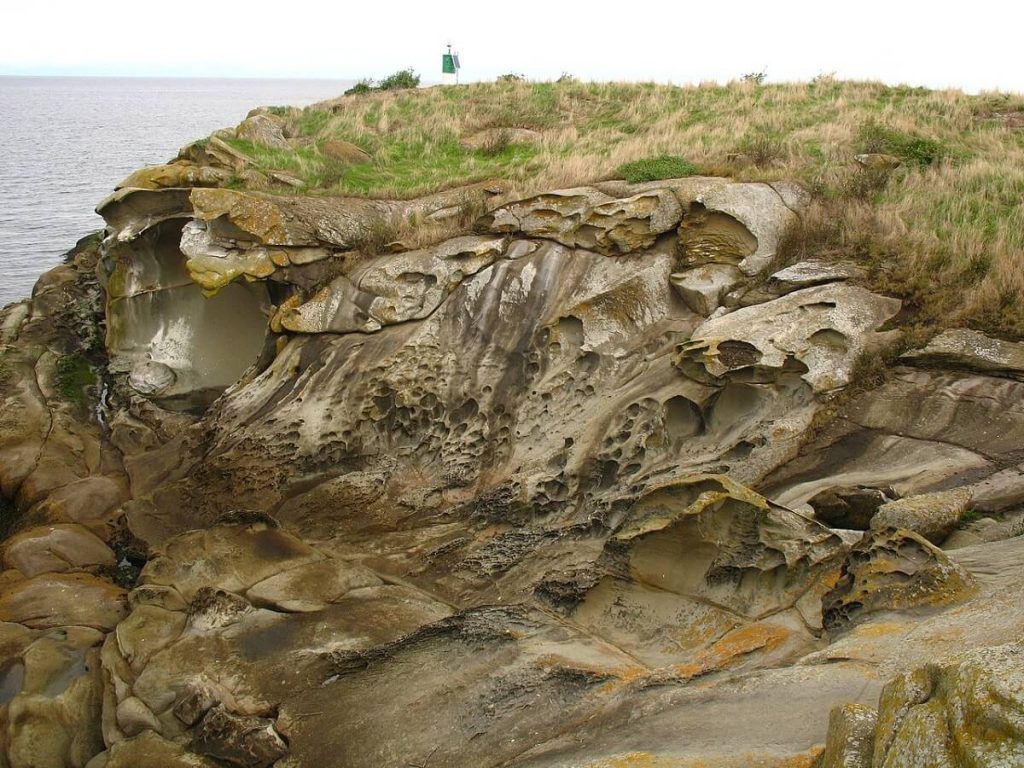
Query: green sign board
pixel 448 64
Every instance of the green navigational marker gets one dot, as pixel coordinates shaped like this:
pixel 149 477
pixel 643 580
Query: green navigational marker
pixel 450 67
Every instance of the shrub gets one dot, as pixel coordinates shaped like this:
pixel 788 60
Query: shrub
pixel 374 235
pixel 908 147
pixel 757 78
pixel 762 148
pixel 405 78
pixel 511 77
pixel 655 168
pixel 363 86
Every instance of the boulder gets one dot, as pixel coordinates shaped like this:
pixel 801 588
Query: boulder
pixel 61 599
pixel 890 569
pixel 703 288
pixel 344 151
pixel 263 129
pixel 932 515
pixel 964 710
pixel 245 741
pixel 850 742
pixel 970 350
pixel 56 548
pixel 849 506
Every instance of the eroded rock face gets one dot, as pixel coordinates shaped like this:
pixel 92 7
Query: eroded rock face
pixel 963 710
pixel 536 496
pixel 963 348
pixel 932 515
pixel 851 507
pixel 891 569
pixel 817 333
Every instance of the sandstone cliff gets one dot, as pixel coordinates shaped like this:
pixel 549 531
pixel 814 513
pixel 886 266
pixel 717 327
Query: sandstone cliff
pixel 594 480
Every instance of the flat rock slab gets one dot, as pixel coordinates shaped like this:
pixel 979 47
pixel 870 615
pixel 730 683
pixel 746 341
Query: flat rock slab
pixel 60 600
pixel 963 348
pixel 56 548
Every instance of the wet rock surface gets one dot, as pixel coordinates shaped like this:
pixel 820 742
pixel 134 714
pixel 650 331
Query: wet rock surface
pixel 571 490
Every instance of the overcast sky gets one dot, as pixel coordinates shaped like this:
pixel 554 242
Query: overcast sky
pixel 970 45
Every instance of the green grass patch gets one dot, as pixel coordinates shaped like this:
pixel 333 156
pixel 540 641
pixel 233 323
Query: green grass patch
pixel 911 148
pixel 74 375
pixel 655 168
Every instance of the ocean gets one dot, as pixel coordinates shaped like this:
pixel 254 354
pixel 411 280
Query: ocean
pixel 66 141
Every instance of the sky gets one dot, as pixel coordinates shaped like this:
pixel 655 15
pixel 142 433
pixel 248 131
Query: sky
pixel 969 45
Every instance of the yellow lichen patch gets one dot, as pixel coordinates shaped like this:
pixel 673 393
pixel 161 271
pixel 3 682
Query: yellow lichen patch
pixel 257 216
pixel 293 301
pixel 732 646
pixel 212 273
pixel 625 672
pixel 175 175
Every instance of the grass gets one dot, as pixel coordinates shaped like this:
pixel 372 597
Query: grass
pixel 655 168
pixel 945 231
pixel 74 376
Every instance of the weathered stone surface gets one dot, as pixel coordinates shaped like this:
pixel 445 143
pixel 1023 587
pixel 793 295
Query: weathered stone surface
pixel 851 737
pixel 739 224
pixel 150 750
pixel 587 218
pixel 56 548
pixel 932 515
pixel 394 289
pixel 850 507
pixel 961 711
pixel 175 175
pixel 250 742
pixel 816 332
pixel 702 288
pixel 345 151
pixel 151 378
pixel 891 569
pixel 811 272
pixel 227 557
pixel 58 600
pixel 963 348
pixel 311 587
pixel 264 129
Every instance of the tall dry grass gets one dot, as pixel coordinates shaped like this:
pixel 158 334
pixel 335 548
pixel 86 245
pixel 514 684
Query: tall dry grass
pixel 948 236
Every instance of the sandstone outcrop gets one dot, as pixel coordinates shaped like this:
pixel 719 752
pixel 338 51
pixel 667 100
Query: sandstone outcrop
pixel 574 489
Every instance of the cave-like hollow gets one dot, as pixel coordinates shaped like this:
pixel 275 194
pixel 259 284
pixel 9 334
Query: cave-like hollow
pixel 178 346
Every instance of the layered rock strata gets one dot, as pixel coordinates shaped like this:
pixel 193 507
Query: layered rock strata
pixel 546 493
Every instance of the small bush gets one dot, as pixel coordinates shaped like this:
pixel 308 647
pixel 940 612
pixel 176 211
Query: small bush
pixel 969 516
pixel 363 86
pixel 762 148
pixel 495 144
pixel 405 78
pixel 757 78
pixel 910 148
pixel 374 235
pixel 511 77
pixel 655 168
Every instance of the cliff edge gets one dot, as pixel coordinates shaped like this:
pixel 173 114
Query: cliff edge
pixel 606 475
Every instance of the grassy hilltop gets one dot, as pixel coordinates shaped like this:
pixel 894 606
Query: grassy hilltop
pixel 944 230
